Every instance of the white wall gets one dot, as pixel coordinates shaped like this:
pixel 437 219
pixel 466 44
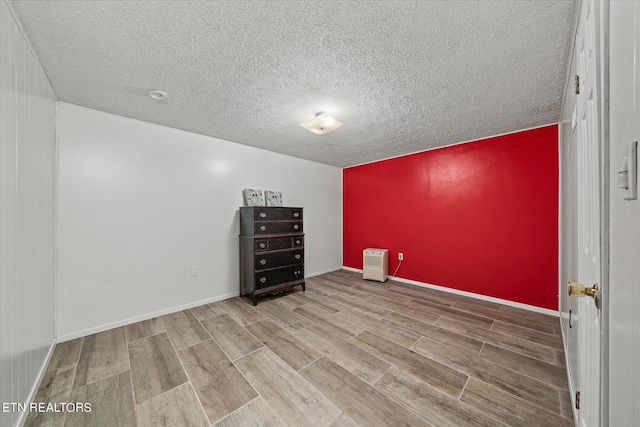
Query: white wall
pixel 27 217
pixel 139 204
pixel 624 290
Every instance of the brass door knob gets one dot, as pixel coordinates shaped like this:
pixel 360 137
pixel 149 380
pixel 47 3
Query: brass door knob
pixel 578 290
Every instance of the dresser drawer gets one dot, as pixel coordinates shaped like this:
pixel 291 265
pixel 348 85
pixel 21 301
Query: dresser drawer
pixel 277 259
pixel 275 243
pixel 278 227
pixel 260 220
pixel 277 214
pixel 264 279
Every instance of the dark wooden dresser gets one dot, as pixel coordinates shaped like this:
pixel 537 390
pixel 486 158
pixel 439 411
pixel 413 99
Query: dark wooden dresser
pixel 271 250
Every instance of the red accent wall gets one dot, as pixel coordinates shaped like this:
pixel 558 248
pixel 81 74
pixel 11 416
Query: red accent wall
pixel 480 217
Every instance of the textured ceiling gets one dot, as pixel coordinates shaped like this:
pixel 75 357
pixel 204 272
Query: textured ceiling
pixel 403 76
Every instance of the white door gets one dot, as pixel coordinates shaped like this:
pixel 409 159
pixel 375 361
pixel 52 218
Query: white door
pixel 587 374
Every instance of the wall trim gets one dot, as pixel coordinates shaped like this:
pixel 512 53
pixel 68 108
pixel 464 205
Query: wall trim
pixel 522 306
pixel 318 273
pixel 451 145
pixel 147 316
pixel 36 385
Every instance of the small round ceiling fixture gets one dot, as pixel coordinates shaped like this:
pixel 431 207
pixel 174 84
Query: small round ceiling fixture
pixel 157 94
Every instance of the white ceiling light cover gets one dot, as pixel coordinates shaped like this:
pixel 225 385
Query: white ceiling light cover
pixel 321 124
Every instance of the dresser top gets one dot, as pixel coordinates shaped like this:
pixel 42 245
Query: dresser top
pixel 270 207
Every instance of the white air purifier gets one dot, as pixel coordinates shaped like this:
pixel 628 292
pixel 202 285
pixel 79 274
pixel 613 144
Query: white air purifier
pixel 375 264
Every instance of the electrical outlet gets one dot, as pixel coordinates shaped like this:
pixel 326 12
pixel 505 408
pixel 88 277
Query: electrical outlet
pixel 400 256
pixel 194 271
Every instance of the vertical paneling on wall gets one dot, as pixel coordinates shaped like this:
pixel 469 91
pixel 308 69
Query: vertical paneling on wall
pixel 27 217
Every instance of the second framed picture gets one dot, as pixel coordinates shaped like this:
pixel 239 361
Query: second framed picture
pixel 273 198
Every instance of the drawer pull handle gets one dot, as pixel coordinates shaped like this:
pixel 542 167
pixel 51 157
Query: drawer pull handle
pixel 262 228
pixel 297 256
pixel 298 242
pixel 263 261
pixel 263 215
pixel 295 227
pixel 296 214
pixel 263 279
pixel 262 245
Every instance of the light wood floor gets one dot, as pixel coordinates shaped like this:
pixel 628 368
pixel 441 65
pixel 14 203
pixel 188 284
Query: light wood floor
pixel 346 352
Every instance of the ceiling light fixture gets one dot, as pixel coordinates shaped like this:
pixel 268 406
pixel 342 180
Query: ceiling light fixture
pixel 157 94
pixel 321 124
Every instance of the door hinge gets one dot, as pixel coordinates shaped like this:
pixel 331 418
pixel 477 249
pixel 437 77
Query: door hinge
pixel 577 400
pixel 576 79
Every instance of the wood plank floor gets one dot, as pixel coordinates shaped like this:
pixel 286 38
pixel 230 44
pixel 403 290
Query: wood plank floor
pixel 346 352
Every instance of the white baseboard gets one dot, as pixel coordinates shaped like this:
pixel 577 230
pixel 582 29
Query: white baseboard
pixel 34 390
pixel 147 316
pixel 102 328
pixel 528 307
pixel 318 273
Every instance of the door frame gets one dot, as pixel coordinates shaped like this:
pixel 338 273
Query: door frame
pixel 602 38
pixel 602 14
